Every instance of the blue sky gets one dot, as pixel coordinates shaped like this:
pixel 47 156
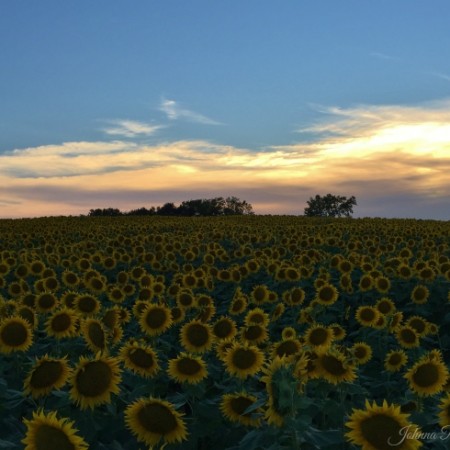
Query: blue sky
pixel 159 89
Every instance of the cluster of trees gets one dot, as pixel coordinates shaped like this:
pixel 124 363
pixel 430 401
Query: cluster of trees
pixel 330 206
pixel 319 206
pixel 217 206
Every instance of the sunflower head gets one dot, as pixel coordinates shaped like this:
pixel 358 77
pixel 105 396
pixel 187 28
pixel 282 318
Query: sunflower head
pixel 46 431
pixel 152 420
pixel 235 405
pixel 187 368
pixel 15 334
pixel 380 427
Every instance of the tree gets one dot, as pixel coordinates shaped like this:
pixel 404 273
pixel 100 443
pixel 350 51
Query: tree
pixel 330 206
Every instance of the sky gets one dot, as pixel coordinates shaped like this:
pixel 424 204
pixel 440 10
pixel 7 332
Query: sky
pixel 112 103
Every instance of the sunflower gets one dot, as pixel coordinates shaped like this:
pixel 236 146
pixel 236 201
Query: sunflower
pixel 254 334
pixel 444 411
pixel 196 336
pixel 381 428
pixel 238 305
pixel 326 294
pixel 428 375
pixel 95 335
pixel 366 283
pixel 256 316
pixel 334 367
pixel 155 319
pixel 382 284
pixel 419 324
pixel 110 318
pixel 151 419
pixel 46 431
pixel 62 323
pixel 16 334
pixel 243 360
pixel 362 352
pixel 46 374
pixel 338 330
pixel 395 360
pixel 29 315
pixel 277 312
pixel 94 380
pixel 420 294
pixel 223 346
pixel 367 316
pixel 187 368
pixel 288 333
pixel 177 314
pixel 224 328
pixel 116 294
pixel 235 405
pixel 139 358
pixel 185 298
pixel 46 302
pixel 260 294
pixel 385 305
pixel 286 348
pixel 87 305
pixel 319 336
pixel 294 296
pixel 407 336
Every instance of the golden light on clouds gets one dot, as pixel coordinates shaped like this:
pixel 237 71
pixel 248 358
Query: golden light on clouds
pixel 379 154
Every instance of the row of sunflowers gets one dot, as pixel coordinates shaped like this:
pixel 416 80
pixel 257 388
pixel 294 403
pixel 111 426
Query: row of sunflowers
pixel 235 332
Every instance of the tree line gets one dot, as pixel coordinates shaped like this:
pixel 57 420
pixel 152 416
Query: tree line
pixel 217 206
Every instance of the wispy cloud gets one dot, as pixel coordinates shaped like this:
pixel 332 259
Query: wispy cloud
pixel 174 111
pixel 389 155
pixel 440 75
pixel 381 55
pixel 131 128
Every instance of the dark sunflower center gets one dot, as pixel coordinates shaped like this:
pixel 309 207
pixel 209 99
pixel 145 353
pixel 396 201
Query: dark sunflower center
pixel 46 301
pixel 61 322
pixel 367 315
pixel 360 352
pixel 244 358
pixel 426 375
pixel 141 358
pixel 395 359
pixel 381 431
pixel 14 334
pixel 222 328
pixel 240 404
pixel 94 379
pixel 420 294
pixel 326 294
pixel 253 332
pixel 384 307
pixel 157 418
pixel 418 324
pixel 46 374
pixel 156 318
pixel 287 348
pixel 188 366
pixel 408 336
pixel 48 437
pixel 87 304
pixel 197 335
pixel 318 336
pixel 259 294
pixel 333 365
pixel 237 305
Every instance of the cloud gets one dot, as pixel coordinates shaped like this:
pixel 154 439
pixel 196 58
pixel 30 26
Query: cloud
pixel 384 56
pixel 174 111
pixel 440 75
pixel 131 128
pixel 390 157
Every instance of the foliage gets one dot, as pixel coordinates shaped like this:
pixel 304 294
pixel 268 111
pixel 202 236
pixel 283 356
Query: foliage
pixel 217 206
pixel 330 206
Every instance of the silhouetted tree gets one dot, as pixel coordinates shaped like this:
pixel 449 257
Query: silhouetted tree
pixel 168 209
pixel 330 206
pixel 105 212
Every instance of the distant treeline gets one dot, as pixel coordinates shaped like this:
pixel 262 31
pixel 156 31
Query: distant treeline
pixel 217 206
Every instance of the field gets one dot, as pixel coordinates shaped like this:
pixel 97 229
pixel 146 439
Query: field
pixel 244 332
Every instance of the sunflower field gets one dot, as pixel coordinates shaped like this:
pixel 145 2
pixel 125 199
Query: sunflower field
pixel 246 332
